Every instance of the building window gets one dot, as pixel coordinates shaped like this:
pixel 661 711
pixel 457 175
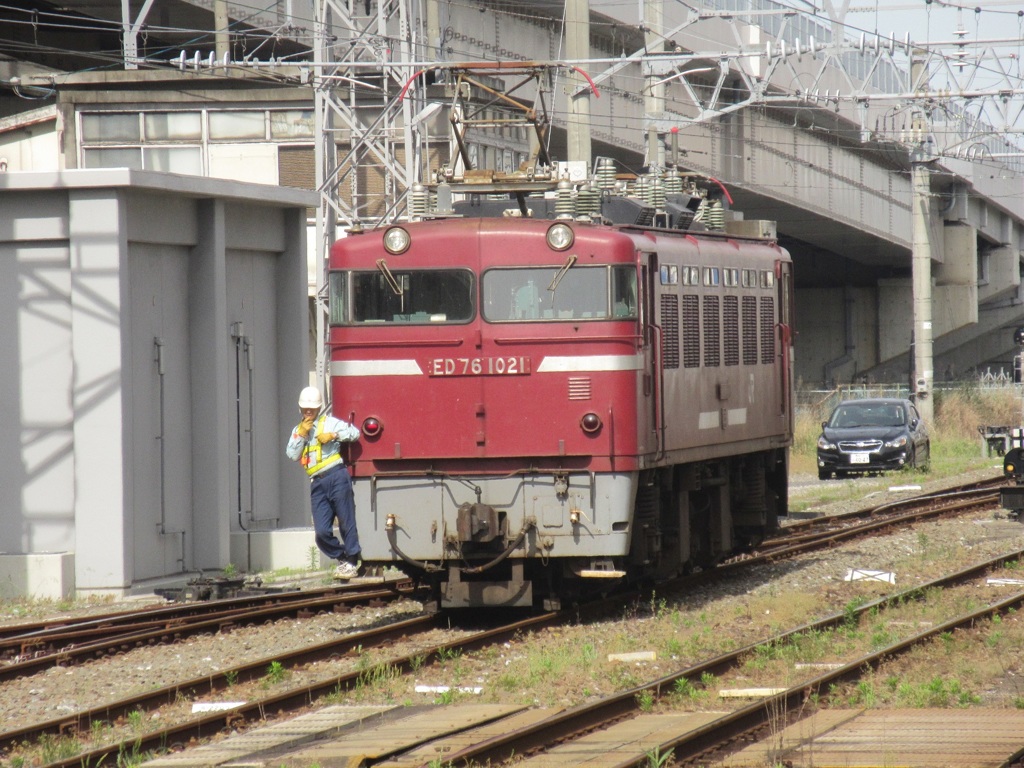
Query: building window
pixel 237 125
pixel 291 124
pixel 130 157
pixel 186 160
pixel 173 126
pixel 111 128
pixel 192 142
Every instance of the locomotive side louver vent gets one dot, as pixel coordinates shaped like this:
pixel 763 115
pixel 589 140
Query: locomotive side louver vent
pixel 712 333
pixel 767 330
pixel 669 331
pixel 579 387
pixel 691 332
pixel 731 329
pixel 750 330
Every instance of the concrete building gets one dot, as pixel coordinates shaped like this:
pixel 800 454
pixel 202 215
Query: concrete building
pixel 154 336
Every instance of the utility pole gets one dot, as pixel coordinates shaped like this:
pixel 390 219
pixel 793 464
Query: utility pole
pixel 221 24
pixel 922 280
pixel 577 46
pixel 654 90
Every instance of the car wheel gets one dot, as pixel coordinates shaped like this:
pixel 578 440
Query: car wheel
pixel 926 462
pixel 824 474
pixel 912 462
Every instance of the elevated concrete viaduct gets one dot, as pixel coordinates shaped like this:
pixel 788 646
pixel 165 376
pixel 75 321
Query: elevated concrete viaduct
pixel 712 91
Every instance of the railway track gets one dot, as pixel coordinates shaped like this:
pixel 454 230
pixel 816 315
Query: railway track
pixel 829 530
pixel 256 710
pixel 32 648
pixel 706 744
pixel 799 538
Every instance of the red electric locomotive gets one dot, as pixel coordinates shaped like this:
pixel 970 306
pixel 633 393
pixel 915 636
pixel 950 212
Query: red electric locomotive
pixel 550 404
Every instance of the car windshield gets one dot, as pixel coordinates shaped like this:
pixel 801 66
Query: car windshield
pixel 864 415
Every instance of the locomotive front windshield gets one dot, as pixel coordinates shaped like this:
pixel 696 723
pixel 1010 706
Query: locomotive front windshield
pixel 566 292
pixel 412 296
pixel 430 296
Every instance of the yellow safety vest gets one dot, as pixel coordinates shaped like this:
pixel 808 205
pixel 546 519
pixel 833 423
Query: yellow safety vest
pixel 312 457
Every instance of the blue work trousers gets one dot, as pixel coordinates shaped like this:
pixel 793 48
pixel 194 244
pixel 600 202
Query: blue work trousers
pixel 332 497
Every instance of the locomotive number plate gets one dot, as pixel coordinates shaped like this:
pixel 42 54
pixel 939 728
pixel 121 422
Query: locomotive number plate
pixel 478 366
pixel 860 458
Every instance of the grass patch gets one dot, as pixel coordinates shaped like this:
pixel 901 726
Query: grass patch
pixel 956 445
pixel 954 428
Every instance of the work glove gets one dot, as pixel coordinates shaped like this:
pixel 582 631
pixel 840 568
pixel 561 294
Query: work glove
pixel 327 437
pixel 304 426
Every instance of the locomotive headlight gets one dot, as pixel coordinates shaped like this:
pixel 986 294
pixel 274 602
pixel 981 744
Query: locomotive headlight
pixel 372 427
pixel 1009 468
pixel 590 423
pixel 396 240
pixel 560 236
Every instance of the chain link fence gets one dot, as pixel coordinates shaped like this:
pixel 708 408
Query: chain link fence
pixel 995 406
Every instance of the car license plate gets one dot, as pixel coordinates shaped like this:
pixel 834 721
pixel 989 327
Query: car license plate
pixel 860 458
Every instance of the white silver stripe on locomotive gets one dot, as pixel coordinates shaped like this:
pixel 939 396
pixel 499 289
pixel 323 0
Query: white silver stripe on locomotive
pixel 553 364
pixel 550 364
pixel 376 368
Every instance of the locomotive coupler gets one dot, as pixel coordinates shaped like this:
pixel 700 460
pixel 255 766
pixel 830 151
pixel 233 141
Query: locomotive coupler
pixel 478 523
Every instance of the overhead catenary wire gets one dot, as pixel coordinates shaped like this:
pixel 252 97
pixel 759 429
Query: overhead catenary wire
pixel 276 69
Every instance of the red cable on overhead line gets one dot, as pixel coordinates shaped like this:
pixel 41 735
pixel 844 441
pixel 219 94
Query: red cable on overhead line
pixel 593 85
pixel 726 191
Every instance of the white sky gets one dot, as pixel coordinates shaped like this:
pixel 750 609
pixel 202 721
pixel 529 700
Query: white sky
pixel 931 22
pixel 941 23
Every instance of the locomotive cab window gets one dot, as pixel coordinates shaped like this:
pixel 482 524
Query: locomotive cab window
pixel 566 292
pixel 401 296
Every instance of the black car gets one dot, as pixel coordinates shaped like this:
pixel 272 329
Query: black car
pixel 872 436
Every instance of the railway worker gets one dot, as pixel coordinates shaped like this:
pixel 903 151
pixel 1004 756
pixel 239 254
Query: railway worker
pixel 315 442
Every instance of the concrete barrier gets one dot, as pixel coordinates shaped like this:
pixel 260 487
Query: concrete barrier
pixel 39 575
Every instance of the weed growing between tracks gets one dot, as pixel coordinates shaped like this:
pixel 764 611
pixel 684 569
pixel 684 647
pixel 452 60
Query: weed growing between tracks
pixel 954 670
pixel 569 664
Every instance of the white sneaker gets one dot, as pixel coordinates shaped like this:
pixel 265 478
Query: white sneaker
pixel 346 571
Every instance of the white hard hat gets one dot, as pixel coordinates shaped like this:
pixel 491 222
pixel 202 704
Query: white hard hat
pixel 310 398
